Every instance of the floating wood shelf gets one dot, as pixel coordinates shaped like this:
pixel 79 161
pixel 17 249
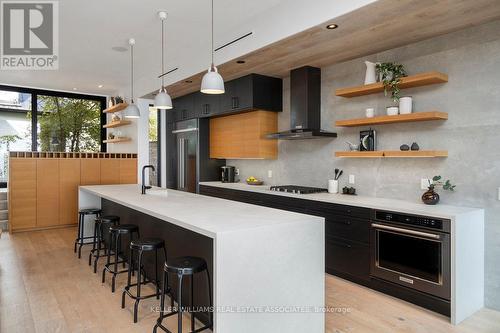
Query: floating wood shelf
pixel 116 108
pixel 117 124
pixel 401 118
pixel 411 81
pixel 392 154
pixel 117 140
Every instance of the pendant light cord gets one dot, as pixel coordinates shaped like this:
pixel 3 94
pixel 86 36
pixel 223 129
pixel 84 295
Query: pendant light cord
pixel 132 73
pixel 212 49
pixel 162 55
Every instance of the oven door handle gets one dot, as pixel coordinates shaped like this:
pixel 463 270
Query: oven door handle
pixel 406 231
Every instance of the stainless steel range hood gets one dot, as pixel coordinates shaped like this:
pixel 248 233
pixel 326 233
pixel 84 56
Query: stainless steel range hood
pixel 305 106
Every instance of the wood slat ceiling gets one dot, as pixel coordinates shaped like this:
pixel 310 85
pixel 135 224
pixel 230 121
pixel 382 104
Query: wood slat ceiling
pixel 380 26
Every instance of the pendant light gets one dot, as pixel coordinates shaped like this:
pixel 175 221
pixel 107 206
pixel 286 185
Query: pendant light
pixel 162 99
pixel 212 82
pixel 132 111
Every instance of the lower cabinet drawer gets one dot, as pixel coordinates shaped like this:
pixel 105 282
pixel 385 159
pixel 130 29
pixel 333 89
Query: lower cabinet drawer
pixel 348 257
pixel 346 227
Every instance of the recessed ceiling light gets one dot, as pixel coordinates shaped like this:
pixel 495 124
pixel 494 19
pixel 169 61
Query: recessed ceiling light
pixel 75 89
pixel 240 61
pixel 332 26
pixel 188 81
pixel 119 48
pixel 100 86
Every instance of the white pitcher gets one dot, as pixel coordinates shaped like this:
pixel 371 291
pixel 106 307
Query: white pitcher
pixel 370 76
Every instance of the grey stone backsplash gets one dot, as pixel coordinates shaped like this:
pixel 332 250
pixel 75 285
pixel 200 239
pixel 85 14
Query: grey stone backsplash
pixel 471 58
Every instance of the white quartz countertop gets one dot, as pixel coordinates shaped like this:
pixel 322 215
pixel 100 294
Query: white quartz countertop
pixel 395 205
pixel 206 215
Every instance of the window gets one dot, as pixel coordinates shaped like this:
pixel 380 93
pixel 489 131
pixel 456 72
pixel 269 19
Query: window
pixel 41 120
pixel 15 126
pixel 154 146
pixel 68 124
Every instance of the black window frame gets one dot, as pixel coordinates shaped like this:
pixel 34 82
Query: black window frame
pixel 35 92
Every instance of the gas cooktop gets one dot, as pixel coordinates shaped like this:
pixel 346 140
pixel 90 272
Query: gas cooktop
pixel 298 189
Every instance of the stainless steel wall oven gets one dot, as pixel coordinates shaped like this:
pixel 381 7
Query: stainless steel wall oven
pixel 411 250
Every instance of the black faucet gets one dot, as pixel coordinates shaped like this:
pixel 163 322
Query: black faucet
pixel 144 187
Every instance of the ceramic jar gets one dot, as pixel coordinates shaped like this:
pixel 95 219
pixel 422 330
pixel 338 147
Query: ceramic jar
pixel 370 76
pixel 405 105
pixel 370 112
pixel 392 110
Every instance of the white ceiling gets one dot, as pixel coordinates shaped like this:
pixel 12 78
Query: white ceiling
pixel 90 28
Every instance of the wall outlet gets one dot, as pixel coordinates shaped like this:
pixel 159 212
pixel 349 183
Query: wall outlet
pixel 269 173
pixel 352 179
pixel 424 183
pixel 237 172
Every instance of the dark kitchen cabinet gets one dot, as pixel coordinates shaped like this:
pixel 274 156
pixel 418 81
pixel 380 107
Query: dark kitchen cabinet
pixel 184 108
pixel 347 228
pixel 205 105
pixel 347 258
pixel 252 92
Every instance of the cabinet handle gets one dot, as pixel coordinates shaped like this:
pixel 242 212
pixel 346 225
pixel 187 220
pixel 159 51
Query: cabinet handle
pixel 206 108
pixel 341 244
pixel 235 102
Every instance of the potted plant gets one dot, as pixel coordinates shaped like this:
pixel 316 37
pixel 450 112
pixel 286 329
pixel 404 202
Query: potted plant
pixel 431 197
pixel 390 75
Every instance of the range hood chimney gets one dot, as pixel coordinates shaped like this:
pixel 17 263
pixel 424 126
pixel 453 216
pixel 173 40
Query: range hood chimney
pixel 305 106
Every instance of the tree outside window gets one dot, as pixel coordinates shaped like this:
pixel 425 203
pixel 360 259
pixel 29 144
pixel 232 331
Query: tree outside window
pixel 68 124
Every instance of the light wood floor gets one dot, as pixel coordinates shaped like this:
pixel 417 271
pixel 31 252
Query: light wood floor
pixel 45 288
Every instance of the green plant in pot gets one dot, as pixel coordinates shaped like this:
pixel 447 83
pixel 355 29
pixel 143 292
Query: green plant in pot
pixel 431 197
pixel 390 75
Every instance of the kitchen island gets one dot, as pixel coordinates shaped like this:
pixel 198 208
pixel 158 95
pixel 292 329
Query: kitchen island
pixel 267 265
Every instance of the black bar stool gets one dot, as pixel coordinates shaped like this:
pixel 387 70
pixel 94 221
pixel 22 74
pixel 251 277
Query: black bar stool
pixel 101 223
pixel 115 235
pixel 140 246
pixel 81 224
pixel 183 266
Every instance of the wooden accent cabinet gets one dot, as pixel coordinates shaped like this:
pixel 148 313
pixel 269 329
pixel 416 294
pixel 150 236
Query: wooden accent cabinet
pixel 43 187
pixel 22 193
pixel 243 136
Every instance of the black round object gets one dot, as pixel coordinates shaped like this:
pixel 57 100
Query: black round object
pixel 430 197
pixel 414 146
pixel 404 147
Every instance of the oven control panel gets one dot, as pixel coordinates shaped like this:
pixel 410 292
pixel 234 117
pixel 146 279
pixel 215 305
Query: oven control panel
pixel 419 221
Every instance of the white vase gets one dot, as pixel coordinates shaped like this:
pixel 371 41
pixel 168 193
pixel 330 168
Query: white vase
pixel 405 105
pixel 333 186
pixel 370 76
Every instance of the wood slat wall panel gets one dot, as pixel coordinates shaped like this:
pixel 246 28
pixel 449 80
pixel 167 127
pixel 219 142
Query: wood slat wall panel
pixel 128 171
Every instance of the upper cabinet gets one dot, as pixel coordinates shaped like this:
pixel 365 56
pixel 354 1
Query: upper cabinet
pixel 250 92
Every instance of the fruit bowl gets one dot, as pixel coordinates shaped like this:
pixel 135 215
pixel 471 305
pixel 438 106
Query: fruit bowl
pixel 255 182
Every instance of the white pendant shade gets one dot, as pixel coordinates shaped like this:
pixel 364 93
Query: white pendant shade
pixel 163 101
pixel 132 111
pixel 212 82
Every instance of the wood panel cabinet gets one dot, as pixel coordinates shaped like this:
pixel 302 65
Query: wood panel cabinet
pixel 43 191
pixel 70 173
pixel 90 173
pixel 244 136
pixel 110 171
pixel 47 188
pixel 22 193
pixel 128 171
